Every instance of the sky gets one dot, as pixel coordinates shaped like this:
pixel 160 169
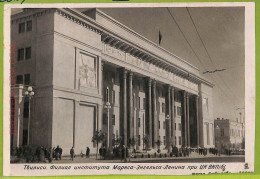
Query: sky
pixel 220 29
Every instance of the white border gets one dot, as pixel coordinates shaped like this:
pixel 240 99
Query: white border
pixel 18 169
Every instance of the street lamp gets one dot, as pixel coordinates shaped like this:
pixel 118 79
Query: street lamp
pixel 29 93
pixel 107 106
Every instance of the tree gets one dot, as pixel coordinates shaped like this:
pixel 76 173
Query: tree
pixel 98 137
pixel 146 141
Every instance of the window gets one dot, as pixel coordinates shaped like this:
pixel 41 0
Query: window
pixel 222 134
pixel 19 79
pixel 144 103
pixel 107 94
pixel 159 126
pixel 20 55
pixel 139 122
pixel 179 125
pixel 27 79
pixel 175 126
pixel 163 93
pixel 164 140
pixel 26 108
pixel 159 108
pixel 28 53
pixel 205 104
pixel 104 118
pixel 163 107
pixel 179 140
pixel 22 27
pixel 139 140
pixel 113 96
pixel 138 102
pixel 164 125
pixel 113 119
pixel 175 142
pixel 29 26
pixel 178 111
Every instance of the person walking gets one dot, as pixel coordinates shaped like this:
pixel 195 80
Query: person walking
pixel 87 152
pixel 71 153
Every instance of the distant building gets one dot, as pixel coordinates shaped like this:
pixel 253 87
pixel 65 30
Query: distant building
pixel 78 62
pixel 229 134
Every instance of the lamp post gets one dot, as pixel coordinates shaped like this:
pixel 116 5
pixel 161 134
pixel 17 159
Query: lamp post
pixel 29 93
pixel 218 136
pixel 107 107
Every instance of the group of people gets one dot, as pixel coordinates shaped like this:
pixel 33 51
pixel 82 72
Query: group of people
pixel 203 151
pixel 39 154
pixel 184 151
pixel 102 152
pixel 57 152
pixel 72 153
pixel 214 151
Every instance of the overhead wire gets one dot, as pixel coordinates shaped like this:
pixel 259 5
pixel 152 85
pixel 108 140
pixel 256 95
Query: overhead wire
pixel 194 51
pixel 213 64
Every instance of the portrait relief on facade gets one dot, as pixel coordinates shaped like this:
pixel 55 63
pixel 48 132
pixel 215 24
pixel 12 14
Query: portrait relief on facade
pixel 87 71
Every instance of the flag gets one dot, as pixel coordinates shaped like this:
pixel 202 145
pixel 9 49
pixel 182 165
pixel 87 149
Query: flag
pixel 160 37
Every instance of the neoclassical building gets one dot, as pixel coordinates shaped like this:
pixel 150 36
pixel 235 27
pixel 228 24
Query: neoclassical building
pixel 89 72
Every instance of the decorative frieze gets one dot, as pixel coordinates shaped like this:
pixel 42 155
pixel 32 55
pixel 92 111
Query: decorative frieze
pixel 137 62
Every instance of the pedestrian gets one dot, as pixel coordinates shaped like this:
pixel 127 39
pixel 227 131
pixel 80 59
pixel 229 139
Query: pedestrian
pixel 81 154
pixel 100 152
pixel 123 153
pixel 42 155
pixel 104 152
pixel 53 152
pixel 127 153
pixel 50 155
pixel 60 151
pixel 71 153
pixel 57 152
pixel 87 152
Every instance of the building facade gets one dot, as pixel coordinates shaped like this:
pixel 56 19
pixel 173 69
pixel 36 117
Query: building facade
pixel 230 134
pixel 89 73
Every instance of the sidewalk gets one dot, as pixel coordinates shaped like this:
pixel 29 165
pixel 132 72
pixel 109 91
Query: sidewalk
pixel 194 157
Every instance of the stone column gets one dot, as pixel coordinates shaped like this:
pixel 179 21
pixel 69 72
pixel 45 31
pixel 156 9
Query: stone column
pixel 155 119
pixel 168 112
pixel 172 117
pixel 197 119
pixel 149 112
pixel 123 106
pixel 183 121
pixel 130 106
pixel 188 120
